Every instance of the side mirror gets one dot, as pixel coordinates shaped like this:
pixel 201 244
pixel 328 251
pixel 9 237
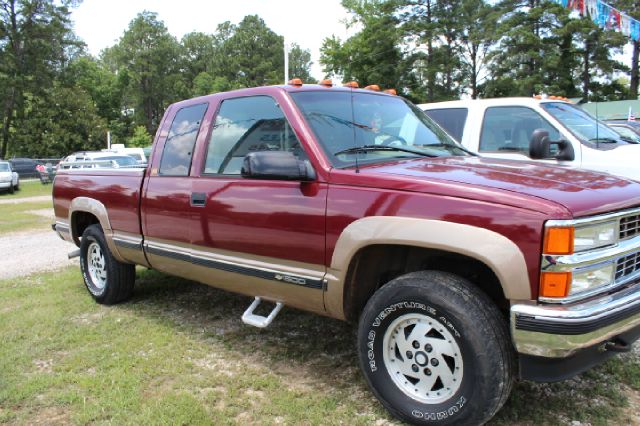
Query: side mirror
pixel 540 147
pixel 281 165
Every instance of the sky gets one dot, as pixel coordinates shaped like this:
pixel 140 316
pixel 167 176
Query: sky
pixel 100 23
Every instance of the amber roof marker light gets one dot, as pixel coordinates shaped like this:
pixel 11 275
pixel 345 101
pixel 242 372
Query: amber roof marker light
pixel 295 82
pixel 326 83
pixel 391 92
pixel 352 84
pixel 373 87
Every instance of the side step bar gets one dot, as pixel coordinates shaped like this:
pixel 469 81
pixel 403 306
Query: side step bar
pixel 260 321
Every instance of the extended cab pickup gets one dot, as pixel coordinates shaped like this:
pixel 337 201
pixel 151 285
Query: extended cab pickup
pixel 462 272
pixel 505 128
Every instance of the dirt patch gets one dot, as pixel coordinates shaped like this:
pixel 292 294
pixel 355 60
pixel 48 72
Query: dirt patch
pixel 87 318
pixel 633 413
pixel 48 213
pixel 51 416
pixel 43 365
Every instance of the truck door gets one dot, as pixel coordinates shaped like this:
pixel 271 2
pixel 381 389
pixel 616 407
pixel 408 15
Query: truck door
pixel 258 237
pixel 506 133
pixel 167 218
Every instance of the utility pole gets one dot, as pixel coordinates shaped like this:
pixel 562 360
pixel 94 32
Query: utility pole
pixel 286 61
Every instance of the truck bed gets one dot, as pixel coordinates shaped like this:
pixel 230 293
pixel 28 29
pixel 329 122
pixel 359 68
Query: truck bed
pixel 117 188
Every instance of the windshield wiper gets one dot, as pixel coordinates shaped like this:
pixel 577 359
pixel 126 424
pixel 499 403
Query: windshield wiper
pixel 368 148
pixel 603 140
pixel 449 145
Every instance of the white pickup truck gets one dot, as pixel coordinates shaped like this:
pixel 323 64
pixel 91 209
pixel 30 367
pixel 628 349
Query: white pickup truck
pixel 551 130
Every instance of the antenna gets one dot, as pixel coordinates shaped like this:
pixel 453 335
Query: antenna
pixel 353 126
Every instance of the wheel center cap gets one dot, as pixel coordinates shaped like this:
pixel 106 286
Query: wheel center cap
pixel 421 359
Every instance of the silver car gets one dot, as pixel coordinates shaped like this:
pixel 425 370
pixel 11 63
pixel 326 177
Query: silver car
pixel 9 180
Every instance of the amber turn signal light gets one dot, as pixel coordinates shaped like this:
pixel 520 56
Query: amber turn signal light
pixel 326 83
pixel 295 82
pixel 555 284
pixel 558 241
pixel 352 84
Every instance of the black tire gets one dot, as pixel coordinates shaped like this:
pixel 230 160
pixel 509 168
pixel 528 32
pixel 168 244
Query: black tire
pixel 18 185
pixel 11 190
pixel 453 314
pixel 113 282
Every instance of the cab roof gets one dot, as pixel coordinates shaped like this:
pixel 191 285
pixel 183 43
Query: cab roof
pixel 513 101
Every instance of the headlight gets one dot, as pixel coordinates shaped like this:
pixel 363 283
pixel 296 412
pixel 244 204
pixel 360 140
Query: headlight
pixel 566 241
pixel 591 278
pixel 595 236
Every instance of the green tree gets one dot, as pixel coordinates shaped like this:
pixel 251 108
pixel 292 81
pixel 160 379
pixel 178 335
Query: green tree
pixel 300 64
pixel 632 8
pixel 151 57
pixel 140 138
pixel 35 42
pixel 371 56
pixel 58 121
pixel 250 53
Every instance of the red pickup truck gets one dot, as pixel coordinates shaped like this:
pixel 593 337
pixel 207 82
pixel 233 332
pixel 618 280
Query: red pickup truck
pixel 463 273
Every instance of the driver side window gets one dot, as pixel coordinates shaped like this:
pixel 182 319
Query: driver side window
pixel 245 125
pixel 509 129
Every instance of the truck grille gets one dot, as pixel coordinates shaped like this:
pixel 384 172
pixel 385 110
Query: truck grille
pixel 629 226
pixel 627 265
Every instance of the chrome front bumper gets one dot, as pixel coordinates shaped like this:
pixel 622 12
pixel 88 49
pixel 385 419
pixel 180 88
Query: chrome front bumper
pixel 559 331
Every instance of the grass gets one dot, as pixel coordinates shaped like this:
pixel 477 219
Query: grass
pixel 32 188
pixel 21 216
pixel 178 353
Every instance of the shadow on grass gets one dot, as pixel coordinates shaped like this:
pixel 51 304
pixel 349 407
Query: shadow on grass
pixel 308 348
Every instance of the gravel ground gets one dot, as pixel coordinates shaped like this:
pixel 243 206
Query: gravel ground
pixel 28 252
pixel 26 199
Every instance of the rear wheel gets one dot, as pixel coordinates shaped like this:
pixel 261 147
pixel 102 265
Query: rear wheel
pixel 108 280
pixel 436 350
pixel 11 190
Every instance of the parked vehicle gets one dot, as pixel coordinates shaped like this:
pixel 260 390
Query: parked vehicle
pixel 463 272
pixel 94 159
pixel 137 153
pixel 504 128
pixel 629 130
pixel 25 167
pixel 9 180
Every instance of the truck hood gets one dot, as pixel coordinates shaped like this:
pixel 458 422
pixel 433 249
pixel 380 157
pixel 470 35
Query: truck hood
pixel 581 192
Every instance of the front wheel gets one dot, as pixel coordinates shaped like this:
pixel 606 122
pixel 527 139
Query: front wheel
pixel 108 280
pixel 436 350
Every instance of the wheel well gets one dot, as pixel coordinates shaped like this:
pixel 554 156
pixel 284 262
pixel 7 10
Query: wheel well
pixel 375 265
pixel 81 221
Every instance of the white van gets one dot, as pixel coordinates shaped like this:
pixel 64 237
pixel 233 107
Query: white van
pixel 505 128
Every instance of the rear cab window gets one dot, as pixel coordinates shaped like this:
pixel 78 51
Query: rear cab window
pixel 452 120
pixel 178 148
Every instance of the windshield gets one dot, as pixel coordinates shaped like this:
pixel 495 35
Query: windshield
pixel 4 167
pixel 375 120
pixel 627 133
pixel 580 123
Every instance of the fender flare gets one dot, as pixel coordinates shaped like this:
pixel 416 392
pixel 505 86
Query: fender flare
pixel 96 208
pixel 496 251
